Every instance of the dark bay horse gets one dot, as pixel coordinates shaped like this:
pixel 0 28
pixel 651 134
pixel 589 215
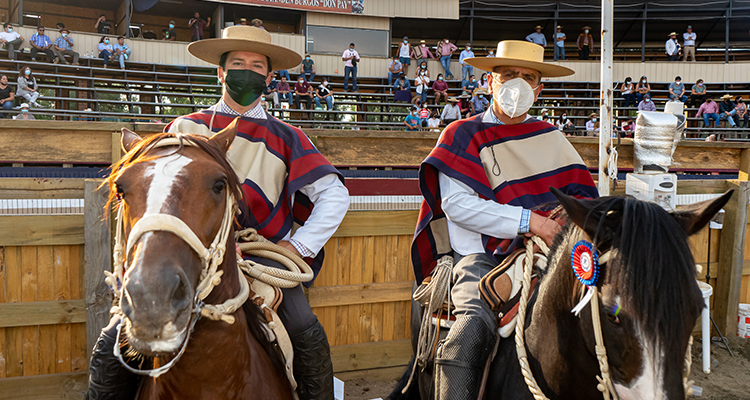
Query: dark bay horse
pixel 192 181
pixel 650 277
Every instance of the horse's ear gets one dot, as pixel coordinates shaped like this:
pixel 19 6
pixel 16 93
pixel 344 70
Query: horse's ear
pixel 129 139
pixel 578 211
pixel 695 216
pixel 224 137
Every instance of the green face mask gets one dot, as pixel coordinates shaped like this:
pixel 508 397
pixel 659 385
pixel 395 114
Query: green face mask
pixel 244 86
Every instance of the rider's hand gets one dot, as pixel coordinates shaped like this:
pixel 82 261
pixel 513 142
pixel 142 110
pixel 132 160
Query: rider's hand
pixel 543 227
pixel 289 246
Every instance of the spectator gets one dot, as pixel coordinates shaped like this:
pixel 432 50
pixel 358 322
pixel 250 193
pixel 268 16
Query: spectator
pixel 464 103
pixel 59 26
pixel 41 42
pixel 394 69
pixel 673 48
pixel 445 49
pixel 11 40
pixel 592 125
pixel 677 90
pixel 646 104
pixel 642 89
pixel 243 21
pixel 303 91
pixel 440 88
pixel 451 112
pixel 255 22
pixel 585 43
pixel 105 50
pixel 710 110
pixel 6 94
pixel 404 56
pixel 698 92
pixel 412 121
pixel 711 138
pixel 478 104
pixel 403 89
pixel 170 34
pixel 564 124
pixel 263 103
pixel 628 127
pixel 308 68
pixel 421 53
pixel 466 69
pixel 325 94
pixel 64 47
pixel 24 113
pixel 197 25
pixel 27 87
pixel 689 44
pixel 491 53
pixel 483 84
pixel 544 115
pixel 271 91
pixel 434 122
pixel 727 110
pixel 122 51
pixel 741 116
pixel 351 58
pixel 422 68
pixel 537 37
pixel 469 85
pixel 102 25
pixel 422 84
pixel 628 92
pixel 560 44
pixel 424 114
pixel 284 73
pixel 285 92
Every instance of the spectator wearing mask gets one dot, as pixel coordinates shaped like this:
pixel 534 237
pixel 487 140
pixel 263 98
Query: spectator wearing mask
pixel 434 122
pixel 105 50
pixel 308 68
pixel 727 110
pixel 709 110
pixel 537 37
pixel 466 69
pixel 423 114
pixel 351 58
pixel 64 47
pixel 422 68
pixel 11 40
pixel 197 25
pixel 698 92
pixel 102 25
pixel 256 23
pixel 483 84
pixel 440 88
pixel 560 44
pixel 412 121
pixel 403 89
pixel 741 116
pixel 421 53
pixel 41 43
pixel 7 96
pixel 491 53
pixel 592 125
pixel 403 54
pixel 451 112
pixel 24 114
pixel 688 42
pixel 303 91
pixel 444 50
pixel 171 34
pixel 672 47
pixel 325 94
pixel 271 92
pixel 564 124
pixel 469 85
pixel 544 116
pixel 422 83
pixel 646 104
pixel 585 43
pixel 677 90
pixel 27 87
pixel 285 92
pixel 394 69
pixel 464 103
pixel 478 104
pixel 642 89
pixel 628 92
pixel 121 51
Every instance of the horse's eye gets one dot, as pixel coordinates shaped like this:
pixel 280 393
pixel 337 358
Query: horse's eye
pixel 219 186
pixel 119 191
pixel 613 318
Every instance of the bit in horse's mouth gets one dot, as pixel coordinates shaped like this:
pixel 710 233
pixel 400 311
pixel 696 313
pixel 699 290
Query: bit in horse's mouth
pixel 168 344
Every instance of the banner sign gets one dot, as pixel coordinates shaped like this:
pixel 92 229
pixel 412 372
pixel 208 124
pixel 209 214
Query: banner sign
pixel 336 6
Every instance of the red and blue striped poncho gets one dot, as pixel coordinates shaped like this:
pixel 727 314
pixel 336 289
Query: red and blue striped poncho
pixel 273 161
pixel 531 157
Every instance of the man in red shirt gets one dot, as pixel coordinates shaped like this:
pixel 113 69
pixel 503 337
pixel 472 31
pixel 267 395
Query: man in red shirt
pixel 197 25
pixel 303 91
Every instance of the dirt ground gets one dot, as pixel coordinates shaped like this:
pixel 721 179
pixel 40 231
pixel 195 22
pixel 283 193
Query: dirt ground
pixel 729 378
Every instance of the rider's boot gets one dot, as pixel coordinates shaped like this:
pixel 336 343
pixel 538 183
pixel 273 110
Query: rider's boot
pixel 108 379
pixel 460 359
pixel 312 364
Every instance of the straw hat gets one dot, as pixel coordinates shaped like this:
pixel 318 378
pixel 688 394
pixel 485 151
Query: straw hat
pixel 260 21
pixel 726 96
pixel 592 115
pixel 518 53
pixel 245 38
pixel 673 34
pixel 243 20
pixel 538 27
pixel 586 27
pixel 559 27
pixel 452 100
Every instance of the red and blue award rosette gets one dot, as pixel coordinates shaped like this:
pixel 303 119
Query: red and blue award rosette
pixel 585 262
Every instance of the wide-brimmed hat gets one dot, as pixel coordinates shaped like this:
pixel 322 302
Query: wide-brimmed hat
pixel 260 21
pixel 538 27
pixel 559 27
pixel 586 27
pixel 726 96
pixel 243 20
pixel 245 38
pixel 518 53
pixel 452 100
pixel 673 34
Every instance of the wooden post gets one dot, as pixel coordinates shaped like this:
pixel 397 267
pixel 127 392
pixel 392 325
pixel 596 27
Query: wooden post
pixel 731 257
pixel 98 255
pixel 745 165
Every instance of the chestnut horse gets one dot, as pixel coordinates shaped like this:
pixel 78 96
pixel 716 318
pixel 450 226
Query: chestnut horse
pixel 192 181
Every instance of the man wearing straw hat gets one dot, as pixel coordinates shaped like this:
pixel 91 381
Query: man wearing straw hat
pixel 537 37
pixel 672 47
pixel 286 182
pixel 479 185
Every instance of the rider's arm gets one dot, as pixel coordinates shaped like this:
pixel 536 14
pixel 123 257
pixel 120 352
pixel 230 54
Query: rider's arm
pixel 331 200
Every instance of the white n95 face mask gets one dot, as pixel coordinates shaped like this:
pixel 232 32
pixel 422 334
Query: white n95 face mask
pixel 515 97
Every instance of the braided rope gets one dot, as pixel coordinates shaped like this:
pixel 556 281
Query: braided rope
pixel 686 383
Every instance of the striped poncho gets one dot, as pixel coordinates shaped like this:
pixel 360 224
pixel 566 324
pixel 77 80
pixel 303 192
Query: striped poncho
pixel 531 157
pixel 273 161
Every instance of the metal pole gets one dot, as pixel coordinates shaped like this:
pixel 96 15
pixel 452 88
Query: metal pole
pixel 643 33
pixel 471 24
pixel 128 5
pixel 20 12
pixel 554 30
pixel 726 33
pixel 605 95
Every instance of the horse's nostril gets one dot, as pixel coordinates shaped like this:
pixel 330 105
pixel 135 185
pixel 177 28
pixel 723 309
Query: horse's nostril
pixel 180 296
